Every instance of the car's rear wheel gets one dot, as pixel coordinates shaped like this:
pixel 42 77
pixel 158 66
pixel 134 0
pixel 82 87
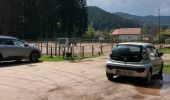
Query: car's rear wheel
pixel 34 57
pixel 109 76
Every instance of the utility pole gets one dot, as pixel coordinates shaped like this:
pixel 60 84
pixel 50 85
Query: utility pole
pixel 159 27
pixel 5 17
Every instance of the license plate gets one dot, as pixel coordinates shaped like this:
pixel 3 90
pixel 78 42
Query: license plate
pixel 123 72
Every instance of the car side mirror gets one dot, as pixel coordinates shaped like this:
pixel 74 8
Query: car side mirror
pixel 160 54
pixel 145 55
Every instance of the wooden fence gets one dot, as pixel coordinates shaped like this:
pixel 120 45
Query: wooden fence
pixel 82 50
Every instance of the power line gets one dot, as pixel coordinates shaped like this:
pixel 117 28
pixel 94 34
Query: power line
pixel 159 27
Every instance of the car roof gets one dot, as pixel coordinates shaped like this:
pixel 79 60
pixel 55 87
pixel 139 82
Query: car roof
pixel 136 43
pixel 7 37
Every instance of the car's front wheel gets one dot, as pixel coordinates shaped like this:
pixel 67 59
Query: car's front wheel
pixel 34 57
pixel 109 76
pixel 161 71
pixel 148 78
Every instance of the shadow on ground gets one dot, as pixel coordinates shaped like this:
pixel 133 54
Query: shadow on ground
pixel 157 81
pixel 15 63
pixel 158 84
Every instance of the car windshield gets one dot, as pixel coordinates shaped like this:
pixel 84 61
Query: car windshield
pixel 127 53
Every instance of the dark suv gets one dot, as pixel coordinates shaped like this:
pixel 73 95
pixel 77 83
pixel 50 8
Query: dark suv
pixel 12 48
pixel 134 60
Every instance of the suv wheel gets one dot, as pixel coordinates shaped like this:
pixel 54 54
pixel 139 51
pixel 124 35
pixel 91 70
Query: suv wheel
pixel 0 58
pixel 109 76
pixel 18 60
pixel 34 57
pixel 148 78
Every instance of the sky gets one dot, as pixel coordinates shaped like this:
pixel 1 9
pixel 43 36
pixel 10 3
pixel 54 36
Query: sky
pixel 134 7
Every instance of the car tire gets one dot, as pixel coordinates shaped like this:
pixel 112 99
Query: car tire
pixel 0 57
pixel 161 71
pixel 148 78
pixel 109 76
pixel 18 60
pixel 34 56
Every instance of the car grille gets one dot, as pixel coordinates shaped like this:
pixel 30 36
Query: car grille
pixel 126 68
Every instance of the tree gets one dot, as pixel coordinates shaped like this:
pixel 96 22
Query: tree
pixel 33 19
pixel 103 20
pixel 0 16
pixel 90 32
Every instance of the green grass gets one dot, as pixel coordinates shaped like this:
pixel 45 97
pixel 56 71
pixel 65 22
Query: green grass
pixel 167 51
pixel 48 58
pixel 166 69
pixel 55 58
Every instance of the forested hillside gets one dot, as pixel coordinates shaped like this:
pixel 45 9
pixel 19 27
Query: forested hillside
pixel 102 20
pixel 150 20
pixel 33 19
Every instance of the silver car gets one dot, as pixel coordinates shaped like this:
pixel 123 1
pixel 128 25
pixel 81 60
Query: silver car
pixel 134 59
pixel 12 48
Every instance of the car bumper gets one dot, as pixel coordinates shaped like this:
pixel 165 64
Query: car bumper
pixel 129 73
pixel 128 70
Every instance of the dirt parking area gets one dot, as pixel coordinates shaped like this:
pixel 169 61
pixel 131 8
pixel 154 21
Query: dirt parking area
pixel 74 81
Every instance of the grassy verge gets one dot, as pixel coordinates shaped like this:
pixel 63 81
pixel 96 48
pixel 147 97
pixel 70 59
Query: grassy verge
pixel 166 51
pixel 48 58
pixel 55 58
pixel 166 69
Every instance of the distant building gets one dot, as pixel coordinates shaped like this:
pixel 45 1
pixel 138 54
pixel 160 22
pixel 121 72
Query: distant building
pixel 127 34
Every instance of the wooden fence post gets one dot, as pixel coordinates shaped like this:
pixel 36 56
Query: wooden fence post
pixel 41 46
pixel 92 50
pixel 59 51
pixel 51 52
pixel 82 51
pixel 72 52
pixel 111 46
pixel 55 49
pixel 101 48
pixel 64 52
pixel 38 44
pixel 47 48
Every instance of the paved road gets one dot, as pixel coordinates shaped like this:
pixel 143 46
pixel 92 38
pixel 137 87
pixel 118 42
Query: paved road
pixel 74 81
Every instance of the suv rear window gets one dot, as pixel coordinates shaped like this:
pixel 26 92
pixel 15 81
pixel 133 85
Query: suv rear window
pixel 127 53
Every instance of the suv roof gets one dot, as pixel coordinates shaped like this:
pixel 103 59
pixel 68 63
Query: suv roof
pixel 7 37
pixel 136 43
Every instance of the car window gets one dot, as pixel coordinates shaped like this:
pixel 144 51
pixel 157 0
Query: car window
pixel 6 42
pixel 130 52
pixel 19 43
pixel 153 51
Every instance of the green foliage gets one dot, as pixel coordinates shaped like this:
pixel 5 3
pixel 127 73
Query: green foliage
pixel 90 32
pixel 167 51
pixel 150 30
pixel 32 19
pixel 166 69
pixel 150 20
pixel 103 20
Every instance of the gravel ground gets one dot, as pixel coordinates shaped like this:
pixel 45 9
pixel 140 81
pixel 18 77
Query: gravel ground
pixel 74 81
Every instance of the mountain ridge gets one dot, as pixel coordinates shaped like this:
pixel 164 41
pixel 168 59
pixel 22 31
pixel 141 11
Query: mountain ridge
pixel 103 20
pixel 150 19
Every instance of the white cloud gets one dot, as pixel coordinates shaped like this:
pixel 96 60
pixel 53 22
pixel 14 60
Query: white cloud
pixel 137 7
